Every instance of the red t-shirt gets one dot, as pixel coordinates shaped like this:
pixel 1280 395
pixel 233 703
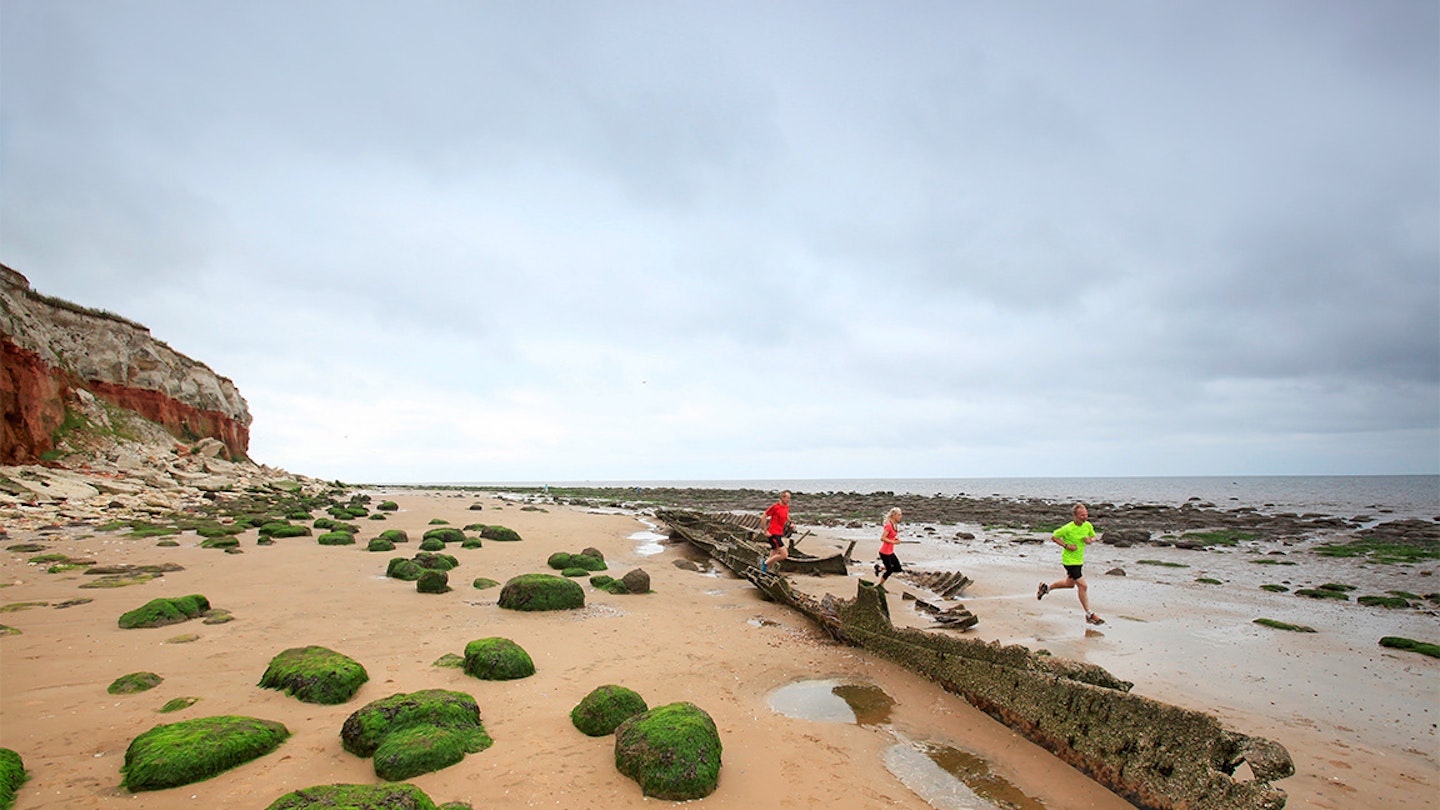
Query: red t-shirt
pixel 779 515
pixel 889 538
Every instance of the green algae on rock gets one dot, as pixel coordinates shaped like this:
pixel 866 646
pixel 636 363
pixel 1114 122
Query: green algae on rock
pixel 500 534
pixel 133 683
pixel 672 751
pixel 336 538
pixel 387 506
pixel 177 704
pixel 605 708
pixel 355 797
pixel 163 611
pixel 315 675
pixel 433 581
pixel 194 750
pixel 432 544
pixel 380 544
pixel 403 569
pixel 12 776
pixel 497 659
pixel 409 752
pixel 450 717
pixel 481 583
pixel 1401 643
pixel 533 592
pixel 394 536
pixel 561 561
pixel 444 535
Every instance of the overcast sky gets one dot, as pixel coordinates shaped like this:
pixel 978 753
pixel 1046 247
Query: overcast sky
pixel 500 241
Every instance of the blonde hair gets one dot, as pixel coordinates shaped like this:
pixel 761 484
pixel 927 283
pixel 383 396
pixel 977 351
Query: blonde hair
pixel 890 516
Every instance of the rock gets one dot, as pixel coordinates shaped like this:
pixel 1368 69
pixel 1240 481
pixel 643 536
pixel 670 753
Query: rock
pixel 532 592
pixel 672 751
pixel 315 675
pixel 193 750
pixel 1125 538
pixel 605 708
pixel 637 581
pixel 401 796
pixel 1115 572
pixel 497 659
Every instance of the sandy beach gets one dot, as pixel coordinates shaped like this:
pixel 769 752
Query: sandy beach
pixel 1358 719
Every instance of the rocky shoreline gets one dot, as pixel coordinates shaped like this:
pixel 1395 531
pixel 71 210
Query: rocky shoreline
pixel 1123 524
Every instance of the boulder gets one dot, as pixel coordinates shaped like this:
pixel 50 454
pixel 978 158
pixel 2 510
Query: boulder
pixel 605 708
pixel 497 659
pixel 672 751
pixel 193 750
pixel 533 592
pixel 315 675
pixel 355 797
pixel 637 581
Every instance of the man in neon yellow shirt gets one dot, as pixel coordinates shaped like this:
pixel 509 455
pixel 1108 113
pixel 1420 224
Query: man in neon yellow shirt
pixel 1073 537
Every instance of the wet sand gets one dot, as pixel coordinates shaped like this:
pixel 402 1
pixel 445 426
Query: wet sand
pixel 1358 719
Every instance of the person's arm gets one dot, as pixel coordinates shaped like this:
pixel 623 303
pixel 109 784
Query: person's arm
pixel 1061 543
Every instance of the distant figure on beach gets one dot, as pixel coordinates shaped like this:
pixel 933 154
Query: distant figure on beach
pixel 889 536
pixel 1073 537
pixel 777 521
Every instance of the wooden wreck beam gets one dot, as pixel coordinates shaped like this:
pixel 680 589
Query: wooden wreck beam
pixel 1155 755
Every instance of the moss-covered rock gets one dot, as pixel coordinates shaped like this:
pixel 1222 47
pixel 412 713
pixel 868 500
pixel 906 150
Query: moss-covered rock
pixel 284 529
pixel 432 544
pixel 379 544
pixel 194 750
pixel 315 675
pixel 500 534
pixel 433 714
pixel 404 569
pixel 336 538
pixel 448 534
pixel 604 709
pixel 355 797
pixel 481 583
pixel 163 611
pixel 438 562
pixel 12 776
pixel 395 536
pixel 433 581
pixel 226 542
pixel 560 560
pixel 609 584
pixel 533 592
pixel 412 751
pixel 387 506
pixel 176 704
pixel 497 659
pixel 134 682
pixel 472 542
pixel 672 751
pixel 574 573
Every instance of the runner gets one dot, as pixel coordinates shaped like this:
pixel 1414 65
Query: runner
pixel 1073 537
pixel 889 536
pixel 777 521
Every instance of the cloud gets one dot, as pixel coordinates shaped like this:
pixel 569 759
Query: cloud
pixel 459 241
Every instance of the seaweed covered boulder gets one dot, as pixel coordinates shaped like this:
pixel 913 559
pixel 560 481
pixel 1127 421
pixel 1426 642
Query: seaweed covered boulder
pixel 380 544
pixel 355 797
pixel 315 675
pixel 562 561
pixel 134 682
pixel 532 592
pixel 605 708
pixel 497 659
pixel 432 544
pixel 12 776
pixel 165 611
pixel 336 538
pixel 433 581
pixel 388 506
pixel 416 732
pixel 672 751
pixel 437 562
pixel 500 534
pixel 403 568
pixel 394 536
pixel 447 534
pixel 194 750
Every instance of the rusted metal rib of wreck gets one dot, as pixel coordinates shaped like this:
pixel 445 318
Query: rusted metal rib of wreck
pixel 1154 755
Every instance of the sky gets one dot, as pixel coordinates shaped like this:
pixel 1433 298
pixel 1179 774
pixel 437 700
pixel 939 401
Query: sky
pixel 571 241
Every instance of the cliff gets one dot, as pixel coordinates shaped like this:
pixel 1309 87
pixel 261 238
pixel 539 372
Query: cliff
pixel 58 358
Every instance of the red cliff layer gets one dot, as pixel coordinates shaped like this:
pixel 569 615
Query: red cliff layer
pixel 53 349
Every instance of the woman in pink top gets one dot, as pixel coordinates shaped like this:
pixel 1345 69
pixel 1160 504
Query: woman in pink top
pixel 889 536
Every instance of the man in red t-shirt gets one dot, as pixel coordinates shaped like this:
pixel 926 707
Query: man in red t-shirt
pixel 777 520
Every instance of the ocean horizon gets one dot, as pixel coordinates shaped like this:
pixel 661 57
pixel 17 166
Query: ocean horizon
pixel 1390 496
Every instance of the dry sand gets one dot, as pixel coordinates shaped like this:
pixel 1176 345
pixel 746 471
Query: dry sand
pixel 1358 719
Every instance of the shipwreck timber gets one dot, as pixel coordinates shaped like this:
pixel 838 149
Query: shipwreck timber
pixel 1154 755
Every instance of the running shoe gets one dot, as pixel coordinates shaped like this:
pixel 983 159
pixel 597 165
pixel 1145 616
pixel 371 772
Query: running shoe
pixel 1091 618
pixel 1041 591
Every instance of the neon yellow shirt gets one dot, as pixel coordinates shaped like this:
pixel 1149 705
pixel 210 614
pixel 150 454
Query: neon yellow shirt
pixel 1075 536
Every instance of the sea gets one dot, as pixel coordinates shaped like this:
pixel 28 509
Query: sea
pixel 1390 496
